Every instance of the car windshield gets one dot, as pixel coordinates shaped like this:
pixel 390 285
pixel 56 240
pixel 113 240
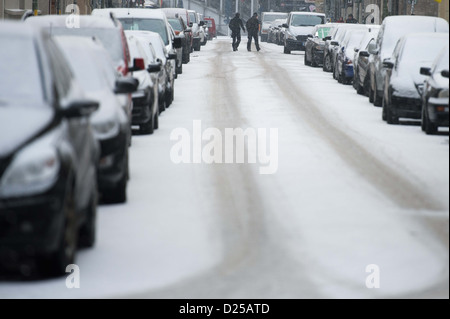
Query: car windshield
pixel 354 40
pixel 176 24
pixel 323 32
pixel 420 50
pixel 303 20
pixel 145 24
pixel 110 38
pixel 272 17
pixel 192 17
pixel 20 75
pixel 442 61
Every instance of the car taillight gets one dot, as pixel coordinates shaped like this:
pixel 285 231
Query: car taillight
pixel 177 32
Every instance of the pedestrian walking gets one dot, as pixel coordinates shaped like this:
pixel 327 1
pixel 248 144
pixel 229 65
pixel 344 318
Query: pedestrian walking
pixel 350 19
pixel 235 26
pixel 253 29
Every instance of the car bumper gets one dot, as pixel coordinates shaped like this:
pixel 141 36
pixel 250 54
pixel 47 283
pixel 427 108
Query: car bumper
pixel 317 56
pixel 295 45
pixel 31 226
pixel 407 107
pixel 438 111
pixel 347 71
pixel 112 162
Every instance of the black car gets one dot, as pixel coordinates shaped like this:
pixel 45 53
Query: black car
pixel 435 94
pixel 315 45
pixel 184 33
pixel 48 155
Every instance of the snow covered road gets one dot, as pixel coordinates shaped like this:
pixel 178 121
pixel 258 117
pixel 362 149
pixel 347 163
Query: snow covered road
pixel 350 191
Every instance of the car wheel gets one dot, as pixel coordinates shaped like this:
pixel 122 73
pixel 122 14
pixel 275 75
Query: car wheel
pixel 179 69
pixel 391 117
pixel 162 105
pixel 118 194
pixel 286 51
pixel 326 64
pixel 430 128
pixel 383 110
pixel 148 128
pixel 54 264
pixel 376 99
pixel 157 120
pixel 87 232
pixel 305 60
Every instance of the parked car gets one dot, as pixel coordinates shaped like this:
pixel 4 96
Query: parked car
pixel 315 44
pixel 266 20
pixel 182 31
pixel 298 26
pixel 343 69
pixel 184 14
pixel 178 51
pixel 435 94
pixel 274 31
pixel 196 32
pixel 211 27
pixel 403 84
pixel 203 29
pixel 392 29
pixel 146 98
pixel 155 21
pixel 92 67
pixel 332 43
pixel 48 154
pixel 106 29
pixel 361 80
pixel 166 83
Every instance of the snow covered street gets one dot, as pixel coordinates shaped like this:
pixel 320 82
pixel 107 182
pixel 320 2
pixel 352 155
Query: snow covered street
pixel 350 191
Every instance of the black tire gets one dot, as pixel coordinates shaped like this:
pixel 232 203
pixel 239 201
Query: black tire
pixel 383 111
pixel 370 94
pixel 162 105
pixel 54 264
pixel 391 117
pixel 179 69
pixel 87 232
pixel 377 100
pixel 286 51
pixel 306 60
pixel 156 120
pixel 430 128
pixel 326 64
pixel 148 128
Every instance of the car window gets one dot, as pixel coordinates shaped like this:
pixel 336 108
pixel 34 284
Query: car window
pixel 176 24
pixel 301 20
pixel 61 70
pixel 272 17
pixel 20 75
pixel 145 24
pixel 323 32
pixel 192 17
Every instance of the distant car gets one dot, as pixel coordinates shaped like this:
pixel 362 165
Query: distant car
pixel 95 71
pixel 48 154
pixel 298 26
pixel 196 32
pixel 203 29
pixel 332 43
pixel 343 69
pixel 184 14
pixel 178 51
pixel 315 45
pixel 266 20
pixel 274 31
pixel 106 29
pixel 361 80
pixel 183 32
pixel 403 86
pixel 146 98
pixel 211 27
pixel 435 105
pixel 392 29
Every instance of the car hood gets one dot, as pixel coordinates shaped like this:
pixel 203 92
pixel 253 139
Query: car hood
pixel 407 79
pixel 301 30
pixel 18 124
pixel 108 109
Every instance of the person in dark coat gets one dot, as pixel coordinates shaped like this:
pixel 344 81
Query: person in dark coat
pixel 350 19
pixel 253 29
pixel 235 26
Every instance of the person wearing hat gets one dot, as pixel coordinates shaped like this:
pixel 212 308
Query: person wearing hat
pixel 253 29
pixel 350 19
pixel 235 26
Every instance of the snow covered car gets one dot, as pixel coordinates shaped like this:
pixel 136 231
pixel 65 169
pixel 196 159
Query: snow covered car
pixel 343 68
pixel 183 32
pixel 196 32
pixel 403 84
pixel 273 35
pixel 95 71
pixel 362 60
pixel 392 29
pixel 298 26
pixel 212 31
pixel 146 98
pixel 435 111
pixel 315 45
pixel 166 84
pixel 106 29
pixel 266 20
pixel 48 154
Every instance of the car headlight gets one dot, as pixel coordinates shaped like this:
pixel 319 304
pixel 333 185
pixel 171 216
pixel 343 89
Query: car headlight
pixel 443 93
pixel 106 129
pixel 33 170
pixel 318 47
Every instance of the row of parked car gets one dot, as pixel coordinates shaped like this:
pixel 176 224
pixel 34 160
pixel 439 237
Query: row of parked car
pixel 401 65
pixel 70 99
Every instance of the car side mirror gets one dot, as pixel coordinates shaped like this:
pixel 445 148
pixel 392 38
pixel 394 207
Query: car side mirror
pixel 177 43
pixel 154 68
pixel 191 24
pixel 310 36
pixel 425 71
pixel 201 23
pixel 80 108
pixel 444 73
pixel 187 30
pixel 356 50
pixel 172 56
pixel 126 85
pixel 327 38
pixel 388 64
pixel 373 49
pixel 334 43
pixel 364 54
pixel 138 65
pixel 285 25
